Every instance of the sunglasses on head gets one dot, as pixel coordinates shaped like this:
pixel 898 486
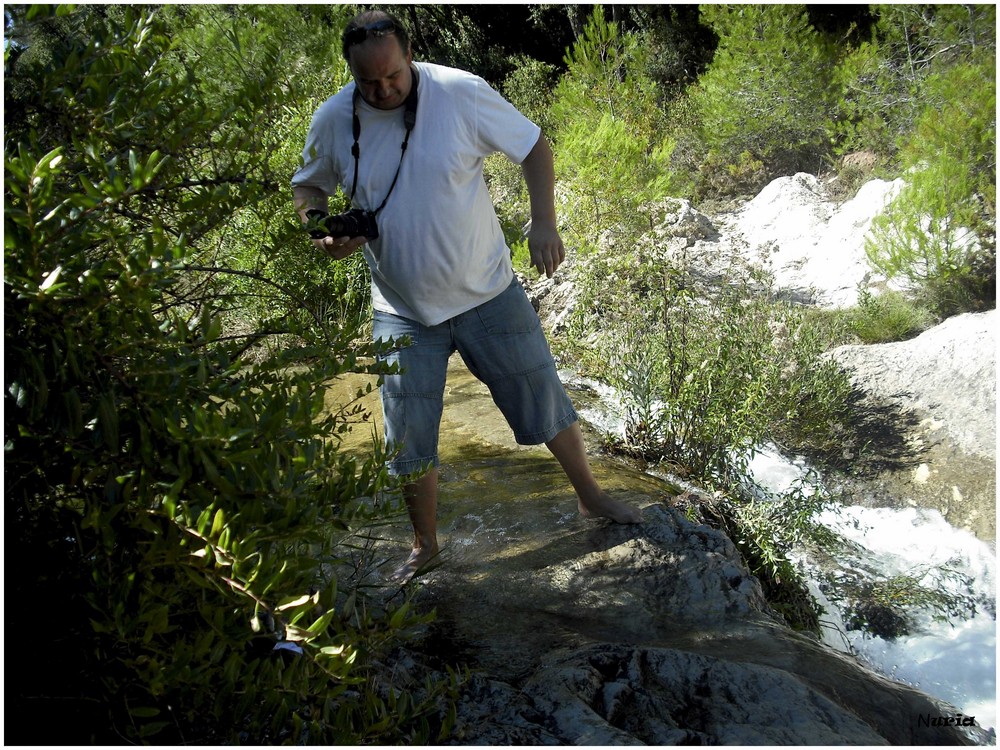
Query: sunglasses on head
pixel 376 30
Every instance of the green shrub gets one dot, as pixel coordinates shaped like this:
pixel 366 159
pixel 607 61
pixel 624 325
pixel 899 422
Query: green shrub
pixel 887 317
pixel 223 44
pixel 705 374
pixel 939 234
pixel 766 528
pixel 877 101
pixel 881 82
pixel 172 509
pixel 529 88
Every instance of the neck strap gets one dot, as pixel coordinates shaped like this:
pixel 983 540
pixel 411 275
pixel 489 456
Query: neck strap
pixel 409 120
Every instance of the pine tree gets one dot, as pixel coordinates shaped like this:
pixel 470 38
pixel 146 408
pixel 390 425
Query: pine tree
pixel 766 96
pixel 612 156
pixel 940 232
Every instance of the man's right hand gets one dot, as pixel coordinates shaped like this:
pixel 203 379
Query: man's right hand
pixel 305 198
pixel 339 247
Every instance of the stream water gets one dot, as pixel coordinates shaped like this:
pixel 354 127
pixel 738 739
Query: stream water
pixel 949 651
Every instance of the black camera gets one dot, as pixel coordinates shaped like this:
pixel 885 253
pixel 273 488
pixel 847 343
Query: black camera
pixel 354 223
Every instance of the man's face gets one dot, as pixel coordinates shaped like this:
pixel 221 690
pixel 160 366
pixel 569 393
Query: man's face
pixel 382 71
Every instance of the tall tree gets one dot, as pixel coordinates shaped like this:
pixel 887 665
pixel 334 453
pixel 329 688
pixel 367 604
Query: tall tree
pixel 881 79
pixel 611 153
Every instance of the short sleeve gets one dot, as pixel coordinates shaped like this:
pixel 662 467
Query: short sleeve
pixel 501 127
pixel 318 168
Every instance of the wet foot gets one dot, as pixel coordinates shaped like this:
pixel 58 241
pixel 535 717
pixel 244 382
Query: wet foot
pixel 417 560
pixel 605 506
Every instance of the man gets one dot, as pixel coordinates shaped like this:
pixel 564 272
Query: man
pixel 441 270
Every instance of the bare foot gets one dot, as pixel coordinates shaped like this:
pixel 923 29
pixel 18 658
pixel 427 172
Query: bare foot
pixel 605 506
pixel 418 559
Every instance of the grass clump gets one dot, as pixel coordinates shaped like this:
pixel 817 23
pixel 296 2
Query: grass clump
pixel 887 317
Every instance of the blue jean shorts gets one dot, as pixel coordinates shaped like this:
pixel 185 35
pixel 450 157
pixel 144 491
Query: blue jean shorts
pixel 502 344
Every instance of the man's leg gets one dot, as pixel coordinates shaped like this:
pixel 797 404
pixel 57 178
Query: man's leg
pixel 421 504
pixel 412 400
pixel 503 345
pixel 593 502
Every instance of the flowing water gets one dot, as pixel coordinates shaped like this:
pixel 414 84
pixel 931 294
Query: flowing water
pixel 506 511
pixel 950 651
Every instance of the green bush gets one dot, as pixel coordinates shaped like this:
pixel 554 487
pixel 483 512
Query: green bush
pixel 706 375
pixel 224 44
pixel 887 317
pixel 881 82
pixel 766 528
pixel 172 509
pixel 878 101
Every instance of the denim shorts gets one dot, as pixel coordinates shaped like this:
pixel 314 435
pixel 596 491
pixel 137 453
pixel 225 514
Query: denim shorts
pixel 502 344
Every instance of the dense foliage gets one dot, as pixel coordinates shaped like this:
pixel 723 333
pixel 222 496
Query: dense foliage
pixel 176 485
pixel 177 508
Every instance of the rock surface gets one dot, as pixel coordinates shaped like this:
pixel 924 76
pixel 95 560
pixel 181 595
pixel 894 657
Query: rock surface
pixel 582 632
pixel 814 248
pixel 947 373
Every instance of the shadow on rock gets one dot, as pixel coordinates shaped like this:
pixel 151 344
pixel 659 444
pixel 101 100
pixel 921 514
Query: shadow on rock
pixel 602 634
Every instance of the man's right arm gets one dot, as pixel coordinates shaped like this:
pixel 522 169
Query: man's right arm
pixel 305 198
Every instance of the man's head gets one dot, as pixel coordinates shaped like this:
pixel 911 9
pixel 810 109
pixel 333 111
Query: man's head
pixel 377 49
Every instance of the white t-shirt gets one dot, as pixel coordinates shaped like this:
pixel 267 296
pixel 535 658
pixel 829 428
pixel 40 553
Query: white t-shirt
pixel 440 250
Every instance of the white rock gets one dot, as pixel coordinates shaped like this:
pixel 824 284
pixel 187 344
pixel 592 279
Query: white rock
pixel 813 247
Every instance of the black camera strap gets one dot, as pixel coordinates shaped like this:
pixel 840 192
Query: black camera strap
pixel 409 120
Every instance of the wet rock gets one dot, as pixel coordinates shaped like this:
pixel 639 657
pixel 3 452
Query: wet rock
pixel 654 634
pixel 582 632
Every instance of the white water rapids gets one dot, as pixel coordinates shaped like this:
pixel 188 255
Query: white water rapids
pixel 951 658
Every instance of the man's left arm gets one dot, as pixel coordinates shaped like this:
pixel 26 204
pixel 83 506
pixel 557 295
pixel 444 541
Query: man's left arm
pixel 544 243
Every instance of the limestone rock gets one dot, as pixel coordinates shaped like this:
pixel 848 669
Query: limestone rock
pixel 943 386
pixel 948 373
pixel 593 639
pixel 682 219
pixel 815 248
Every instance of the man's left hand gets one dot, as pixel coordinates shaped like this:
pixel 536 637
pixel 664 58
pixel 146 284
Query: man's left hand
pixel 546 248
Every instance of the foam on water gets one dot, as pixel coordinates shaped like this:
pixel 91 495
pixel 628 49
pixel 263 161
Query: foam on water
pixel 951 659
